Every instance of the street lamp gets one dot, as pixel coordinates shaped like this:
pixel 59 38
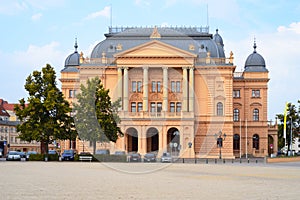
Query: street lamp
pixel 220 137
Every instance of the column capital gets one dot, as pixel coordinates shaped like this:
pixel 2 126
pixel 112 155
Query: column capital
pixel 126 68
pixel 191 68
pixel 165 68
pixel 145 67
pixel 185 67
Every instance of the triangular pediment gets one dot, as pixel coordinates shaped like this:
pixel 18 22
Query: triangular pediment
pixel 155 48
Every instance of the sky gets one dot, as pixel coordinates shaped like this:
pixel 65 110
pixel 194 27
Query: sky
pixel 35 33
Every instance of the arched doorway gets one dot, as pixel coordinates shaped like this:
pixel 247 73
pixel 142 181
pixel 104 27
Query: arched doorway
pixel 173 141
pixel 255 142
pixel 270 145
pixel 132 140
pixel 152 139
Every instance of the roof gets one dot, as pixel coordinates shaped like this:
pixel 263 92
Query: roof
pixel 194 40
pixel 73 59
pixel 255 62
pixel 3 112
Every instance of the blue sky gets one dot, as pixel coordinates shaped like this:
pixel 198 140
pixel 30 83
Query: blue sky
pixel 35 32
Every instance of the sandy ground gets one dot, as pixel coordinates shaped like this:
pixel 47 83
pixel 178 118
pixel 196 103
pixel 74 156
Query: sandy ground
pixel 75 180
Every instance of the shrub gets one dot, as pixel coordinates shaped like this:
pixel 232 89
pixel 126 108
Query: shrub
pixel 41 157
pixel 110 158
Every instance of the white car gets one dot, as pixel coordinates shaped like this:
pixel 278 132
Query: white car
pixel 166 157
pixel 13 155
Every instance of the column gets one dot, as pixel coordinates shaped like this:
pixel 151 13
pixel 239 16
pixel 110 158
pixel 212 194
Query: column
pixel 145 89
pixel 125 95
pixel 165 89
pixel 191 90
pixel 160 143
pixel 119 92
pixel 184 89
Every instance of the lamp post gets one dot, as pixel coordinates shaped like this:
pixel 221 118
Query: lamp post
pixel 220 137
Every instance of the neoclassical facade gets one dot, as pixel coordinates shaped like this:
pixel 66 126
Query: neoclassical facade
pixel 179 93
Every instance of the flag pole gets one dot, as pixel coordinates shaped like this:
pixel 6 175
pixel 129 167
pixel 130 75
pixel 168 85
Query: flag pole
pixel 240 139
pixel 246 141
pixel 284 124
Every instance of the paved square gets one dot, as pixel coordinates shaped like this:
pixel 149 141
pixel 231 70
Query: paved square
pixel 76 180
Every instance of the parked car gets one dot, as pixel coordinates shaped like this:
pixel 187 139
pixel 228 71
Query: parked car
pixel 22 154
pixel 149 157
pixel 30 153
pixel 102 151
pixel 135 157
pixel 13 155
pixel 166 157
pixel 120 153
pixel 68 155
pixel 52 152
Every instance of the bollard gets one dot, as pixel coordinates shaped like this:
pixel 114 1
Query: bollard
pixel 183 160
pixel 215 161
pixel 240 160
pixel 195 160
pixel 232 160
pixel 248 160
pixel 206 161
pixel 256 161
pixel 224 161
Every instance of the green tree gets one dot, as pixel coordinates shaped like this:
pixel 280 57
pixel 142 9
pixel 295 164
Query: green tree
pixel 292 115
pixel 46 116
pixel 96 117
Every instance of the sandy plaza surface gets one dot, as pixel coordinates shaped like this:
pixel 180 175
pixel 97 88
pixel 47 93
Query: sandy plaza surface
pixel 84 180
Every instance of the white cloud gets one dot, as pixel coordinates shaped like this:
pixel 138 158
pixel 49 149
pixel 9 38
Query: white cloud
pixel 293 27
pixel 142 3
pixel 37 56
pixel 12 7
pixel 102 13
pixel 23 63
pixel 279 49
pixel 36 17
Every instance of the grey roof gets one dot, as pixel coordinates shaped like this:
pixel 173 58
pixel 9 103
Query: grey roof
pixel 73 59
pixel 255 62
pixel 9 123
pixel 70 69
pixel 218 39
pixel 181 38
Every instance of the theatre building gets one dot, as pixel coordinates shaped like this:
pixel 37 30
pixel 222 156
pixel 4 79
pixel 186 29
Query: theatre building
pixel 179 93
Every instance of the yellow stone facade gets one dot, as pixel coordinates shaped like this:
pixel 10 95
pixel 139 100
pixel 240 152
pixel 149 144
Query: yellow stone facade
pixel 177 99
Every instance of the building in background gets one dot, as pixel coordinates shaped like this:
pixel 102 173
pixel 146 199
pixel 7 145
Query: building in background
pixel 9 137
pixel 179 93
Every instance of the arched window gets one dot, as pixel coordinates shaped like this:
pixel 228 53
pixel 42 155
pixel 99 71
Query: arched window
pixel 255 114
pixel 236 142
pixel 219 109
pixel 236 115
pixel 255 141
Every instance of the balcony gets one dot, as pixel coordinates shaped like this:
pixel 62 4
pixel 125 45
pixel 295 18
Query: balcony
pixel 156 115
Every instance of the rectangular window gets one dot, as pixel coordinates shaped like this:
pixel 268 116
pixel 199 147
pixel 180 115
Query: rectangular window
pixel 158 86
pixel 153 86
pixel 133 86
pixel 178 107
pixel 256 93
pixel 173 86
pixel 178 87
pixel 159 107
pixel 236 94
pixel 140 106
pixel 139 86
pixel 133 107
pixel 72 93
pixel 172 107
pixel 152 109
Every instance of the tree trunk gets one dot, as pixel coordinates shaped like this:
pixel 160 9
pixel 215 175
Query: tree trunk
pixel 94 146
